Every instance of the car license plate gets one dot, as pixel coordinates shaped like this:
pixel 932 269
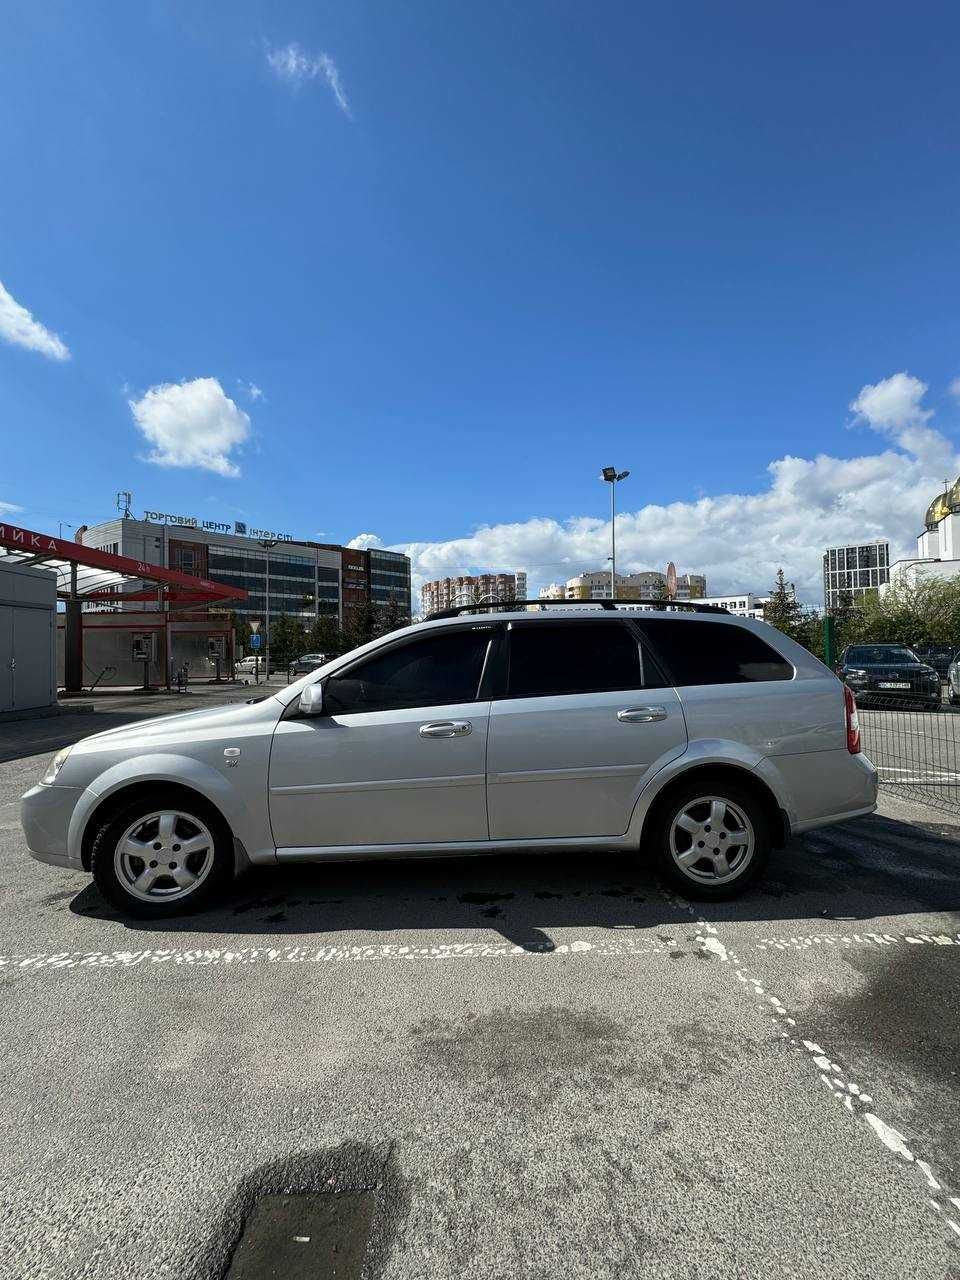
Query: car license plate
pixel 894 684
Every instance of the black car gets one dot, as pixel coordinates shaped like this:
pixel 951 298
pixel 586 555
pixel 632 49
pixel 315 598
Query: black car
pixel 305 663
pixel 938 656
pixel 887 674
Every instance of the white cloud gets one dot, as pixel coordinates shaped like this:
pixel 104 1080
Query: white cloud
pixel 894 407
pixel 955 388
pixel 8 508
pixel 893 404
pixel 17 326
pixel 738 540
pixel 364 541
pixel 250 389
pixel 296 67
pixel 192 424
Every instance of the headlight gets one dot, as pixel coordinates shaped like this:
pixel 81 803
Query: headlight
pixel 56 764
pixel 856 675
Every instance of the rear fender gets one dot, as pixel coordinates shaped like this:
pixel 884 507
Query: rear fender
pixel 711 751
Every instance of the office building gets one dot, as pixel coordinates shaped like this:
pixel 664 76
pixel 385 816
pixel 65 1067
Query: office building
pixel 307 579
pixel 851 570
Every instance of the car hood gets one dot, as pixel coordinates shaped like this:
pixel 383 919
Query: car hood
pixel 184 724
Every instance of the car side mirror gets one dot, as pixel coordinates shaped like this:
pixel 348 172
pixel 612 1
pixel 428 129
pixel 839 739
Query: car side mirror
pixel 311 700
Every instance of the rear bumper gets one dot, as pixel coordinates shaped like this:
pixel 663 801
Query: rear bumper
pixel 821 787
pixel 45 813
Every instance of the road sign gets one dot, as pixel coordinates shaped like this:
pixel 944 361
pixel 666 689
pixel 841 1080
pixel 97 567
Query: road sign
pixel 255 641
pixel 254 627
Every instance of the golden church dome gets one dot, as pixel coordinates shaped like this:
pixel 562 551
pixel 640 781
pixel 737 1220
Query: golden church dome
pixel 941 505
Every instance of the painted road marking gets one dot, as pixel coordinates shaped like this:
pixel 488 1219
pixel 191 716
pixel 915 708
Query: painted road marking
pixel 202 957
pixel 850 941
pixel 831 1074
pixel 707 941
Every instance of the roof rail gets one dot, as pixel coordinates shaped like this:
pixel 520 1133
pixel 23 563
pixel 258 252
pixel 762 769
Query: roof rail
pixel 517 605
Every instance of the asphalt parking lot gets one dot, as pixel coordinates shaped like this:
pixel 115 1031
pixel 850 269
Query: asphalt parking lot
pixel 505 1067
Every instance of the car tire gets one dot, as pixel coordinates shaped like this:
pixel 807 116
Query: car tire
pixel 675 845
pixel 139 861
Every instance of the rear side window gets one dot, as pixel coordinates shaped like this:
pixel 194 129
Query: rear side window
pixel 577 657
pixel 431 671
pixel 714 652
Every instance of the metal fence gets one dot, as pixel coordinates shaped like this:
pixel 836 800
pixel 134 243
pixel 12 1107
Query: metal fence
pixel 916 752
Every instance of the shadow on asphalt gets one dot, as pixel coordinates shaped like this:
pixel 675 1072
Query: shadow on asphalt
pixel 859 870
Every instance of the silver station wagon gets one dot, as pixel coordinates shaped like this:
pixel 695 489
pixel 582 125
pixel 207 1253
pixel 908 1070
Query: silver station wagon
pixel 690 737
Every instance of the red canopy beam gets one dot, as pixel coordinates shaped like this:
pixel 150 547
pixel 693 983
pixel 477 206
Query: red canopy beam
pixel 45 546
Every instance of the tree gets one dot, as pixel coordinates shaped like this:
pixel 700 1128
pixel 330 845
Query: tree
pixel 391 617
pixel 286 640
pixel 360 623
pixel 661 591
pixel 241 631
pixel 325 636
pixel 785 612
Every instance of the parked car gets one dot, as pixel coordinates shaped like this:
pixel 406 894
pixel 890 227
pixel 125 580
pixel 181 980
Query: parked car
pixel 953 681
pixel 938 656
pixel 884 674
pixel 257 662
pixel 305 663
pixel 696 739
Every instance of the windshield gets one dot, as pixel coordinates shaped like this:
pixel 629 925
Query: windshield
pixel 876 654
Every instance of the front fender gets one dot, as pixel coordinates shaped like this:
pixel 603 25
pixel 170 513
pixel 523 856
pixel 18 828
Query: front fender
pixel 247 822
pixel 706 751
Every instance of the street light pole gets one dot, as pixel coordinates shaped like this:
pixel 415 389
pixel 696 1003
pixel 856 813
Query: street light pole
pixel 267 543
pixel 612 476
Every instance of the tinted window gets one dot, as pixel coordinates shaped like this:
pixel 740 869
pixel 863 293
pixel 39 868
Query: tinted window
pixel 428 672
pixel 714 653
pixel 584 657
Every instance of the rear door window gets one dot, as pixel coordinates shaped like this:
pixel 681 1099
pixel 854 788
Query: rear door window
pixel 713 652
pixel 572 657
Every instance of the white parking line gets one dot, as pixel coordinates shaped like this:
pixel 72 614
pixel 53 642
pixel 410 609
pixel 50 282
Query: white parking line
pixel 849 941
pixel 852 1097
pixel 223 956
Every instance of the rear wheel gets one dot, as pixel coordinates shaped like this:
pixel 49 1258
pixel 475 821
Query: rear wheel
pixel 162 855
pixel 711 841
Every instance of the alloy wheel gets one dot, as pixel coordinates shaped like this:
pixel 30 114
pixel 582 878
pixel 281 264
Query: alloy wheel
pixel 712 840
pixel 164 856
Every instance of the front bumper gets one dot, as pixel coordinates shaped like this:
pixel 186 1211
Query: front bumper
pixel 45 812
pixel 891 699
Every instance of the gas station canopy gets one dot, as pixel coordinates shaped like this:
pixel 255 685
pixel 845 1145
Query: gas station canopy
pixel 93 575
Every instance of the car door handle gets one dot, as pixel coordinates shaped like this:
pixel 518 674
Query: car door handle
pixel 632 715
pixel 446 729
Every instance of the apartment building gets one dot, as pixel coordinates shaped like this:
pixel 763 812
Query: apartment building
pixel 646 584
pixel 472 588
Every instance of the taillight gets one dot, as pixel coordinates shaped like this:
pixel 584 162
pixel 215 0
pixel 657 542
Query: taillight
pixel 853 722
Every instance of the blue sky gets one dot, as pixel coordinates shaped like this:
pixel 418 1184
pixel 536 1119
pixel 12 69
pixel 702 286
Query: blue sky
pixel 469 253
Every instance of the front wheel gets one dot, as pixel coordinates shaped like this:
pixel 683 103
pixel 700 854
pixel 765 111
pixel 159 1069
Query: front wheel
pixel 711 842
pixel 162 855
